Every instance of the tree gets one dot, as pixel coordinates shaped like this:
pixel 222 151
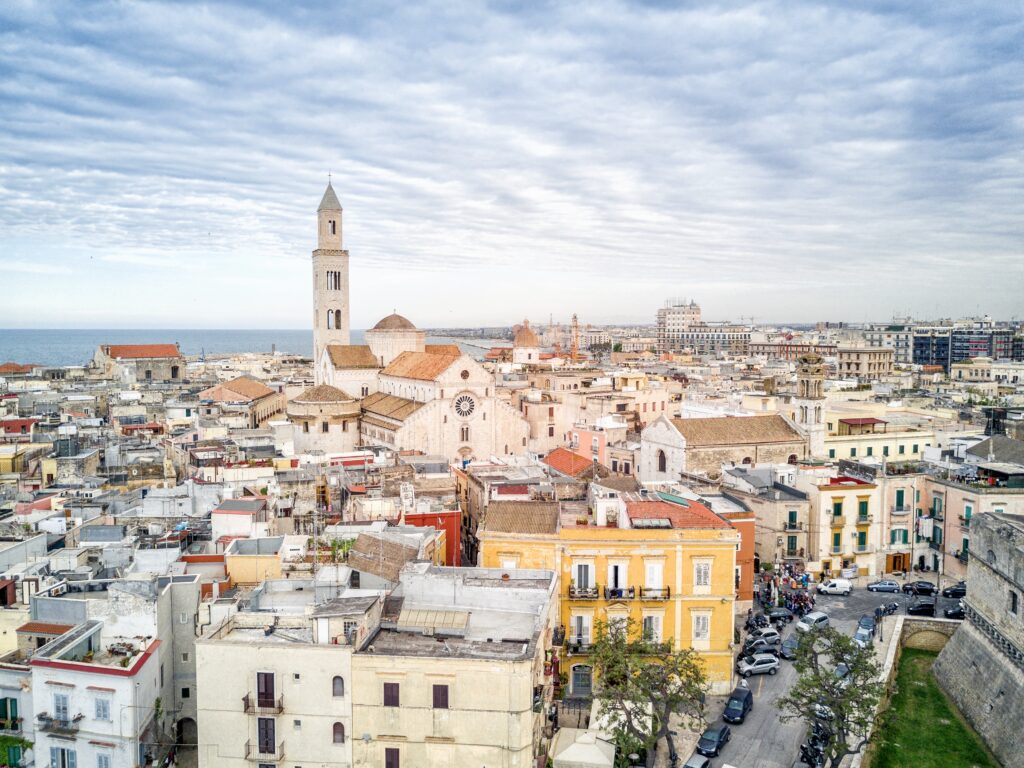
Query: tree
pixel 851 698
pixel 616 347
pixel 641 683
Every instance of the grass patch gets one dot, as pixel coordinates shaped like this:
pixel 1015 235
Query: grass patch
pixel 921 728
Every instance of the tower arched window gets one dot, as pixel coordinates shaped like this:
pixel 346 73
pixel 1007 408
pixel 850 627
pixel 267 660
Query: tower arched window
pixel 338 686
pixel 332 225
pixel 330 320
pixel 339 733
pixel 662 462
pixel 464 434
pixel 337 319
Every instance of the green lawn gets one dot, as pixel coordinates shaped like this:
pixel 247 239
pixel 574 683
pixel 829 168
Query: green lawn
pixel 922 729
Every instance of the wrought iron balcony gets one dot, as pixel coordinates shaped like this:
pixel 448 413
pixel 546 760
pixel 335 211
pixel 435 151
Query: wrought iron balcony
pixel 864 519
pixel 936 545
pixel 963 556
pixel 792 525
pixel 837 521
pixel 654 593
pixel 860 549
pixel 619 593
pixel 59 726
pixel 264 752
pixel 579 645
pixel 965 522
pixel 794 554
pixel 11 727
pixel 584 593
pixel 254 704
pixel 901 510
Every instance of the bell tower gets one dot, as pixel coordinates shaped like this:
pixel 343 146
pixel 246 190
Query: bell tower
pixel 330 280
pixel 809 403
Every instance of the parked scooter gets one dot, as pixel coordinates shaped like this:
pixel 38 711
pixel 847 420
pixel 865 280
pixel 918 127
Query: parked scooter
pixel 890 608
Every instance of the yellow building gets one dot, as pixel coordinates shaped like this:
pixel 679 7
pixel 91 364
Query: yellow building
pixel 668 563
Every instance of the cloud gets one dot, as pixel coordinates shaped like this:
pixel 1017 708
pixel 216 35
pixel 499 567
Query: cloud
pixel 789 160
pixel 32 268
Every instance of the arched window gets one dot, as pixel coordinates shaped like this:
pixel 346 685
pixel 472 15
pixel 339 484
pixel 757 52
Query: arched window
pixel 747 460
pixel 792 458
pixel 464 434
pixel 339 733
pixel 662 462
pixel 337 319
pixel 330 320
pixel 338 686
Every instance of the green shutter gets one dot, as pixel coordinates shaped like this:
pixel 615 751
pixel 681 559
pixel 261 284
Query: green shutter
pixel 862 538
pixel 906 536
pixel 862 508
pixel 899 498
pixel 836 539
pixel 892 536
pixel 837 508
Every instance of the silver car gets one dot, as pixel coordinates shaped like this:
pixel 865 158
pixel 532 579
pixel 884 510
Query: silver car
pixel 813 620
pixel 757 664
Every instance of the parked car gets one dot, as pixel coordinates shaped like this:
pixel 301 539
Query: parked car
pixel 713 739
pixel 925 588
pixel 813 620
pixel 867 622
pixel 780 614
pixel 835 587
pixel 765 633
pixel 883 586
pixel 957 590
pixel 955 613
pixel 761 645
pixel 741 701
pixel 757 664
pixel 862 637
pixel 788 648
pixel 697 761
pixel 921 608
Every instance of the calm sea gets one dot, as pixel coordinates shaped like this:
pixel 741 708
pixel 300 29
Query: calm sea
pixel 54 346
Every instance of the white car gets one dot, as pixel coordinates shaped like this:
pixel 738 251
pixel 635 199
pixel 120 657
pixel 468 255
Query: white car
pixel 835 587
pixel 813 620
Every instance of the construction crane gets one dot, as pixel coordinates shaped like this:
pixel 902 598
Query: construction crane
pixel 575 347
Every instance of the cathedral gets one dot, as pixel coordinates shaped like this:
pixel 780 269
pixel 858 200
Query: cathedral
pixel 395 390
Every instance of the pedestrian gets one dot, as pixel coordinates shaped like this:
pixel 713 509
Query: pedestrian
pixel 744 683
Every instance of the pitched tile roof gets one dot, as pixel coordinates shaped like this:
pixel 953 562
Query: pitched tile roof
pixel 693 515
pixel 736 430
pixel 389 406
pixel 567 462
pixel 425 366
pixel 243 388
pixel 443 349
pixel 322 393
pixel 11 367
pixel 44 628
pixel 134 351
pixel 539 517
pixel 380 555
pixel 352 356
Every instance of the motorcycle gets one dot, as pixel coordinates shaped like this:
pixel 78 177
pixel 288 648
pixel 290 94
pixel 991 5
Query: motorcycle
pixel 890 608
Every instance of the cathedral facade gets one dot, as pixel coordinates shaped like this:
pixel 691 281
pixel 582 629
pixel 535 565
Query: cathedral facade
pixel 432 398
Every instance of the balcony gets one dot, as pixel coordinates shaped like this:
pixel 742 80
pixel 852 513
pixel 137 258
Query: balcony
pixel 262 705
pixel 900 511
pixel 965 523
pixel 10 727
pixel 864 519
pixel 584 593
pixel 264 753
pixel 837 521
pixel 861 549
pixel 793 526
pixel 837 550
pixel 936 545
pixel 937 514
pixel 654 593
pixel 620 593
pixel 963 556
pixel 59 726
pixel 579 645
pixel 793 554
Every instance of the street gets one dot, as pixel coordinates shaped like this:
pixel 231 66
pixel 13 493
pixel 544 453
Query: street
pixel 763 741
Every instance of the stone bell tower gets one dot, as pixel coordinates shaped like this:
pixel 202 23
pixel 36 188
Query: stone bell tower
pixel 330 279
pixel 809 403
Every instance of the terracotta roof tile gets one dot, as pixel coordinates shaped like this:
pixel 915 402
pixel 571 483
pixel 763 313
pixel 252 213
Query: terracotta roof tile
pixel 380 555
pixel 322 393
pixel 539 517
pixel 44 628
pixel 389 406
pixel 567 462
pixel 694 515
pixel 10 367
pixel 242 388
pixel 736 430
pixel 133 351
pixel 425 366
pixel 352 356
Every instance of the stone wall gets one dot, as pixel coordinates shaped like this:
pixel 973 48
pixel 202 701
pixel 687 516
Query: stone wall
pixel 987 689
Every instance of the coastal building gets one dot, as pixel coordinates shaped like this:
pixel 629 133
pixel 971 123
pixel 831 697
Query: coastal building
pixel 132 364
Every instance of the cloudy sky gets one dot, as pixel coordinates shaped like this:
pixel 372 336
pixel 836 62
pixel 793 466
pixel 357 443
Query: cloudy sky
pixel 160 163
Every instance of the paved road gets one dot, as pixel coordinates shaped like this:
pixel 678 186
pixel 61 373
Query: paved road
pixel 763 741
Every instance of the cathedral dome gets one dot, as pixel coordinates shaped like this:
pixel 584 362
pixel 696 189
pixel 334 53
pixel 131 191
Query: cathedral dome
pixel 525 337
pixel 394 322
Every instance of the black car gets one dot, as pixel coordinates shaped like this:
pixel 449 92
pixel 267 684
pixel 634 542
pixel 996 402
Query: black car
pixel 921 608
pixel 925 588
pixel 741 700
pixel 867 622
pixel 713 739
pixel 957 590
pixel 789 646
pixel 780 614
pixel 955 613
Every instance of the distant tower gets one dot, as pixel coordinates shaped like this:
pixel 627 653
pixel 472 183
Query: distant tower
pixel 809 403
pixel 330 278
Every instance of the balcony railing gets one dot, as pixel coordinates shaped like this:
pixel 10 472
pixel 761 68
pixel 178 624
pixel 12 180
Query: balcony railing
pixel 654 593
pixel 963 556
pixel 837 521
pixel 619 593
pixel 936 545
pixel 793 554
pixel 11 727
pixel 837 550
pixel 864 519
pixel 937 514
pixel 579 645
pixel 262 705
pixel 860 549
pixel 264 753
pixel 965 522
pixel 794 526
pixel 584 593
pixel 901 510
pixel 59 726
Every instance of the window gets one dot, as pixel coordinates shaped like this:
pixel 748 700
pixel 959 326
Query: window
pixel 837 542
pixel 837 508
pixel 102 709
pixel 464 434
pixel 391 694
pixel 333 231
pixel 791 544
pixel 391 757
pixel 186 693
pixel 579 628
pixel 915 448
pixel 174 373
pixel 551 431
pixel 102 761
pixel 61 707
pixel 900 498
pixel 440 697
pixel 652 629
pixel 701 627
pixel 62 757
pixel 582 575
pixel 265 689
pixel 862 539
pixel 870 451
pixel 339 733
pixel 885 450
pixel 266 738
pixel 338 686
pixel 305 427
pixel 1014 600
pixel 296 676
pixel 831 453
pixel 902 449
pixel 324 426
pixel 625 469
pixel 853 453
pixel 862 507
pixel 653 574
pixel 662 462
pixel 702 574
